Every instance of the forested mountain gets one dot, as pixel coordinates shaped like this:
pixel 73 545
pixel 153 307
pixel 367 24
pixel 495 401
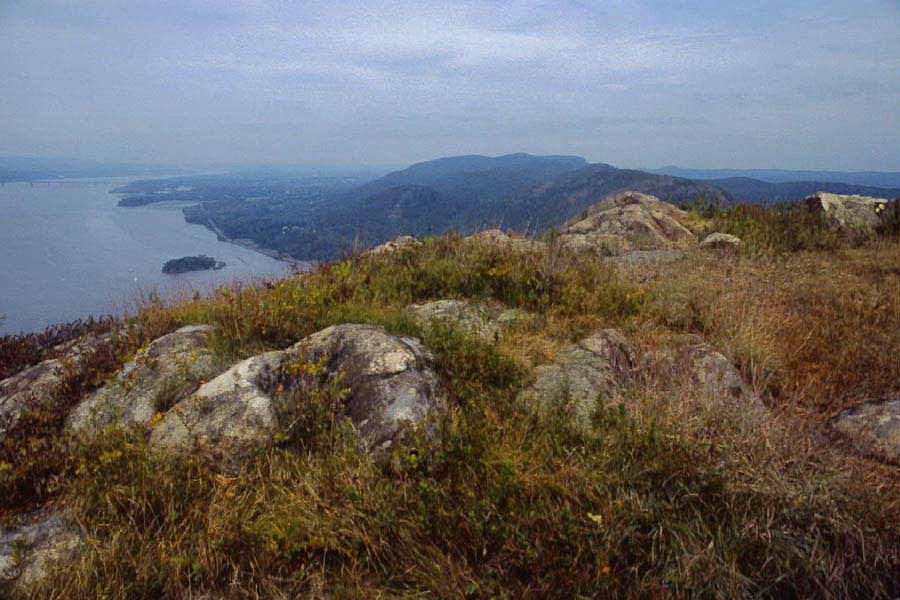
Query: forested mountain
pixel 883 179
pixel 746 189
pixel 557 200
pixel 467 193
pixel 316 217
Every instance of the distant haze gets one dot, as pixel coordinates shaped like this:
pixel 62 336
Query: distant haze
pixel 794 84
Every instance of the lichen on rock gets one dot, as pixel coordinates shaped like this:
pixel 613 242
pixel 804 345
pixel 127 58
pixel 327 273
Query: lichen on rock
pixel 167 370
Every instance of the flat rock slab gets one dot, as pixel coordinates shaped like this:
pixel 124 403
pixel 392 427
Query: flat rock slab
pixel 404 242
pixel 163 373
pixel 487 322
pixel 389 381
pixel 595 369
pixel 29 552
pixel 33 386
pixel 874 427
pixel 721 241
pixel 502 240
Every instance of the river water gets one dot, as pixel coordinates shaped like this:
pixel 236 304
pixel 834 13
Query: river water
pixel 67 252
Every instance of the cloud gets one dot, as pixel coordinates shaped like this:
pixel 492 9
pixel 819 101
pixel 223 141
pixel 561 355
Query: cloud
pixel 637 82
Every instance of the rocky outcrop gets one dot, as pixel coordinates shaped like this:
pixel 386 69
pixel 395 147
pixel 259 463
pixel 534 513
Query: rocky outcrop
pixel 38 384
pixel 692 361
pixel 502 240
pixel 721 241
pixel 855 216
pixel 404 242
pixel 874 427
pixel 484 321
pixel 168 370
pixel 596 369
pixel 625 221
pixel 389 380
pixel 230 413
pixel 30 551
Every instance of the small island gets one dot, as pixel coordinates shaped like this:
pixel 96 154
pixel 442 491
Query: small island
pixel 191 263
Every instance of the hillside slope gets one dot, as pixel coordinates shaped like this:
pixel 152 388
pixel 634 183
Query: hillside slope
pixel 476 418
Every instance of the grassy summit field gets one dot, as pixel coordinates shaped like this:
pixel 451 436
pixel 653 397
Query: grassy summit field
pixel 665 494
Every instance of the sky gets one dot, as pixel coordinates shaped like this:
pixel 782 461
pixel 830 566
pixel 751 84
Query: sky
pixel 796 84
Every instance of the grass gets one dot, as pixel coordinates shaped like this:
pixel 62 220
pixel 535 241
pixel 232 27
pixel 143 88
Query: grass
pixel 665 496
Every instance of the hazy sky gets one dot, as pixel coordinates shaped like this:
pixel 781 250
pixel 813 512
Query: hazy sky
pixel 789 83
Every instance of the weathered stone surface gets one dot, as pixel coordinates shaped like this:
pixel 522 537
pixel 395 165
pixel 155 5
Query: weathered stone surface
pixel 29 552
pixel 721 241
pixel 856 216
pixel 707 371
pixel 390 386
pixel 230 413
pixel 627 220
pixel 487 322
pixel 34 385
pixel 874 427
pixel 168 370
pixel 597 368
pixel 404 242
pixel 391 383
pixel 501 239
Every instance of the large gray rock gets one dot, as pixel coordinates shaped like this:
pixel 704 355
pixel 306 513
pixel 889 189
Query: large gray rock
pixel 167 371
pixel 389 380
pixel 35 385
pixel 627 221
pixel 596 369
pixel 874 427
pixel 29 552
pixel 231 413
pixel 855 216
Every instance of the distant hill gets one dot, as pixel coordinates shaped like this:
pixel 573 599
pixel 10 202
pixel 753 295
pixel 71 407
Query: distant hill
pixel 555 201
pixel 744 189
pixel 883 179
pixel 467 193
pixel 29 168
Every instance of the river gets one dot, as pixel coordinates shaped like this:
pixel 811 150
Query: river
pixel 67 252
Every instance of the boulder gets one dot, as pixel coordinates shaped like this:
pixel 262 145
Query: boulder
pixel 37 384
pixel 389 380
pixel 404 242
pixel 705 369
pixel 627 220
pixel 231 413
pixel 504 241
pixel 855 216
pixel 721 241
pixel 168 370
pixel 30 551
pixel 595 369
pixel 874 427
